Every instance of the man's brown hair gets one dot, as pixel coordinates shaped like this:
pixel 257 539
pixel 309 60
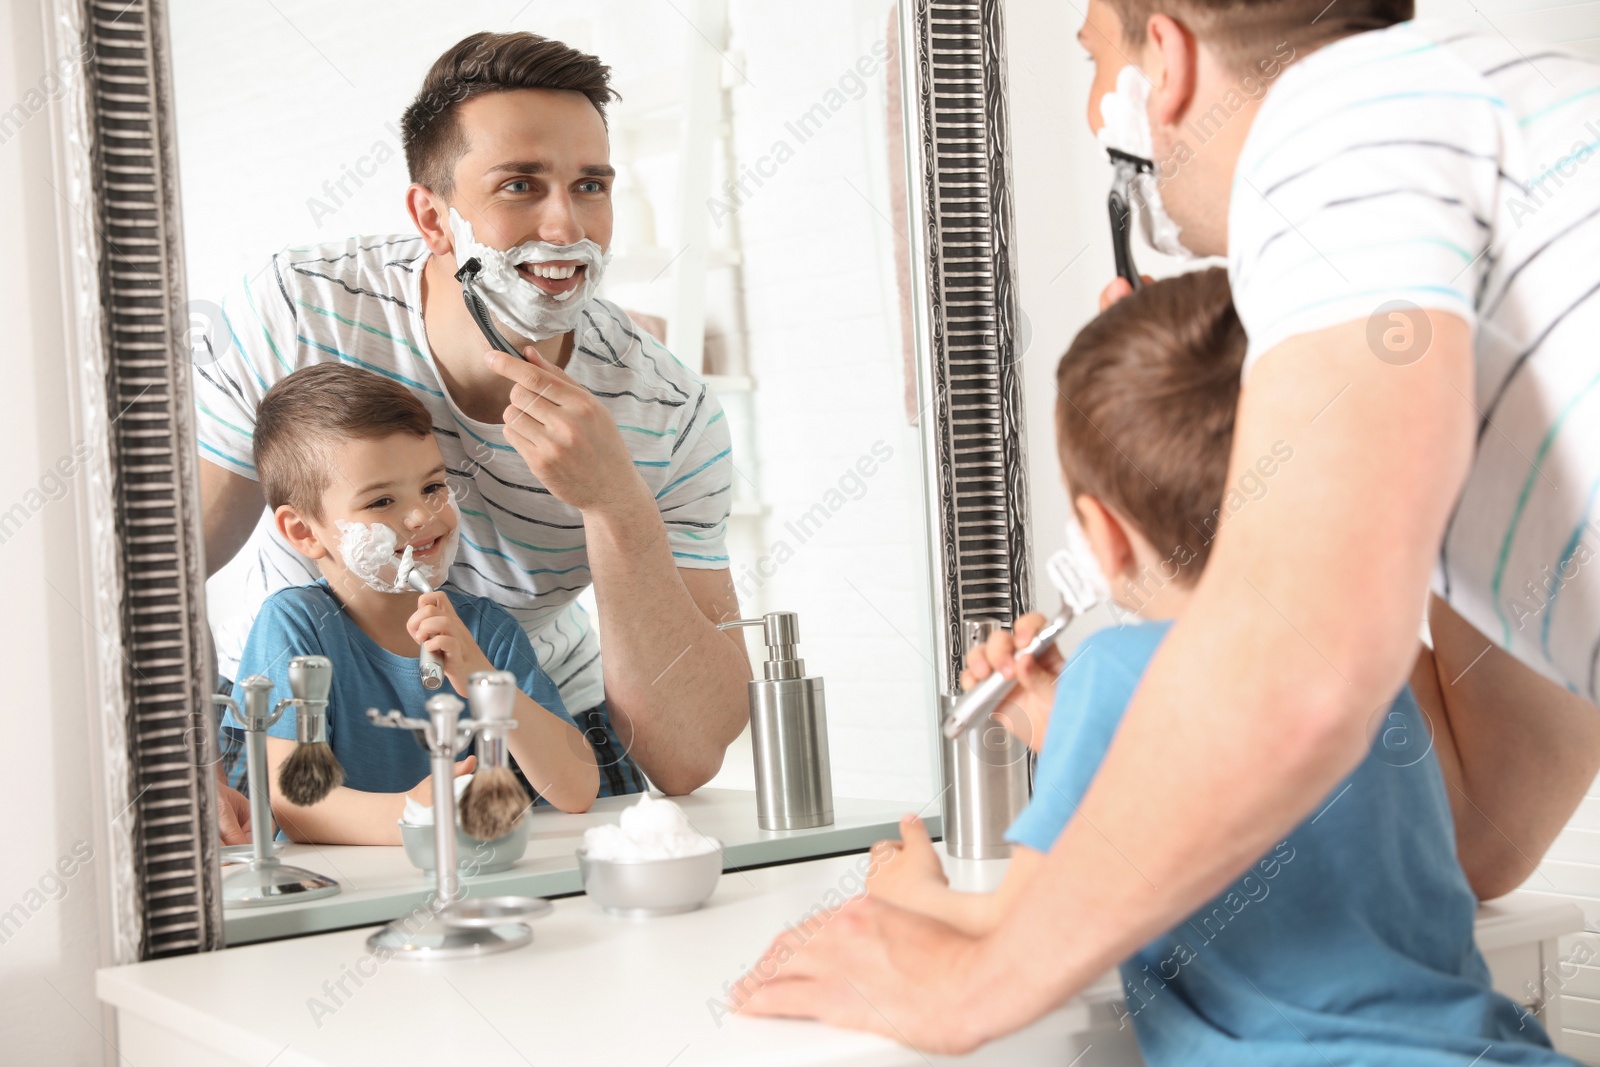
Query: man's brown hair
pixel 1145 406
pixel 315 408
pixel 488 63
pixel 1248 32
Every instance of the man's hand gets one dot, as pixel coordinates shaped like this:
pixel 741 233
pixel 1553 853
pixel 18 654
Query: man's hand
pixel 436 627
pixel 233 815
pixel 1026 711
pixel 422 792
pixel 868 966
pixel 903 871
pixel 565 435
pixel 1118 288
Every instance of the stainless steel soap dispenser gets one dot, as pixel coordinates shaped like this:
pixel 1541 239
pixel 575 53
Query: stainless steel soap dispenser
pixel 789 732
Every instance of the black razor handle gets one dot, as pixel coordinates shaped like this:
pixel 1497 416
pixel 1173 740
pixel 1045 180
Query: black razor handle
pixel 468 277
pixel 1121 238
pixel 1128 168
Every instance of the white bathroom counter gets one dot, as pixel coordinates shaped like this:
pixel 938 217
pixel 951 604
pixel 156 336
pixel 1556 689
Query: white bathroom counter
pixel 590 989
pixel 595 989
pixel 378 883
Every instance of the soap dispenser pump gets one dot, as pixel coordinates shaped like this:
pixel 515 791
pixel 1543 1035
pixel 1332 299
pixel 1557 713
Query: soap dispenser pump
pixel 788 731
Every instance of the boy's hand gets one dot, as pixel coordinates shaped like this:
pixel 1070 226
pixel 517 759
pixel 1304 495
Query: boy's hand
pixel 902 871
pixel 422 792
pixel 1026 711
pixel 436 627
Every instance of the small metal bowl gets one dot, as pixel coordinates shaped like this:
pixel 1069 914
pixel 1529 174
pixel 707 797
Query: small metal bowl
pixel 472 856
pixel 647 888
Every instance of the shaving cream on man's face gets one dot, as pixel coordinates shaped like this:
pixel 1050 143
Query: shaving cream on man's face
pixel 369 551
pixel 519 303
pixel 1126 117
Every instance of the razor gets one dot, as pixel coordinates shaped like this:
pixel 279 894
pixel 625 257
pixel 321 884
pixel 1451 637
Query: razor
pixel 1128 167
pixel 468 277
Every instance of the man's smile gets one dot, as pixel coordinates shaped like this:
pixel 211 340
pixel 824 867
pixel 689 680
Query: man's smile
pixel 555 277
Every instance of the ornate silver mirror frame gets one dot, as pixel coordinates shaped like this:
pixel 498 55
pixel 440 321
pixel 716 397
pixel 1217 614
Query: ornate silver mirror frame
pixel 965 316
pixel 117 165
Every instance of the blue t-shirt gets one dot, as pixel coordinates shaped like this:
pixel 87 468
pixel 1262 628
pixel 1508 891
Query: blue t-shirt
pixel 1349 943
pixel 307 620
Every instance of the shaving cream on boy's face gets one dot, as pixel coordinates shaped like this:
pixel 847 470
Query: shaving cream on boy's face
pixel 372 554
pixel 1081 553
pixel 519 303
pixel 1126 117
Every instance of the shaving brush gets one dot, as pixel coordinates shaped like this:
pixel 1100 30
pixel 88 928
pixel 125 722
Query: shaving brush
pixel 493 802
pixel 312 771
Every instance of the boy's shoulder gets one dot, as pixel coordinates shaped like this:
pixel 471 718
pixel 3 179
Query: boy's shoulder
pixel 1128 646
pixel 314 604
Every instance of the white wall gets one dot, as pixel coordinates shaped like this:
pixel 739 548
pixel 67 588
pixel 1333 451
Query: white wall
pixel 825 349
pixel 49 928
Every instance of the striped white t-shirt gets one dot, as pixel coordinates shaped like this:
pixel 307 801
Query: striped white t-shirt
pixel 359 301
pixel 1436 164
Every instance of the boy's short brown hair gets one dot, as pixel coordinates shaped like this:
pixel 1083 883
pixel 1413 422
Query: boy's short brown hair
pixel 488 63
pixel 318 407
pixel 1145 407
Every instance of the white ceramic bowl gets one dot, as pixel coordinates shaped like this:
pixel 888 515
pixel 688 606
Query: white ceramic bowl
pixel 645 888
pixel 472 856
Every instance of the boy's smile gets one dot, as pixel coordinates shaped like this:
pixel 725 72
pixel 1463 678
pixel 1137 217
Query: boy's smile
pixel 395 481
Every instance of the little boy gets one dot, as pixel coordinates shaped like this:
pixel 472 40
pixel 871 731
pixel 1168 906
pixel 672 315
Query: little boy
pixel 338 448
pixel 1352 941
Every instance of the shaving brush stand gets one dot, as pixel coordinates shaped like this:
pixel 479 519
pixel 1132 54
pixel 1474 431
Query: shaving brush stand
pixel 450 926
pixel 263 879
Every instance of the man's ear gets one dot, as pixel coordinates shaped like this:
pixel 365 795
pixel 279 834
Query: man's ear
pixel 431 216
pixel 1108 537
pixel 1172 60
pixel 298 532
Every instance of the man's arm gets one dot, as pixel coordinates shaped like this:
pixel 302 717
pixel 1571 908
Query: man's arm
pixel 230 504
pixel 675 685
pixel 1518 751
pixel 1302 627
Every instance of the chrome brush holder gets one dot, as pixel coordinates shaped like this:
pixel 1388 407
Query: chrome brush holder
pixel 310 680
pixel 262 878
pixel 493 696
pixel 455 928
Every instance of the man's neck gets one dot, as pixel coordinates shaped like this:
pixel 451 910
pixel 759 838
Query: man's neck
pixel 458 345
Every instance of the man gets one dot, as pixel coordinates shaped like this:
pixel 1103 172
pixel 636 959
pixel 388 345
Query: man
pixel 1410 217
pixel 594 459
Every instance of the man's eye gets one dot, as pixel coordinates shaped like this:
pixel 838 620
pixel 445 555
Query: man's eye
pixel 593 187
pixel 518 186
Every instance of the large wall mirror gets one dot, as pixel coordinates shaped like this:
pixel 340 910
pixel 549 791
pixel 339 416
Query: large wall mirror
pixel 809 212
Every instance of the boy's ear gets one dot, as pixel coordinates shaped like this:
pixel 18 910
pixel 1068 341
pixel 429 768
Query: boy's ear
pixel 298 532
pixel 1108 536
